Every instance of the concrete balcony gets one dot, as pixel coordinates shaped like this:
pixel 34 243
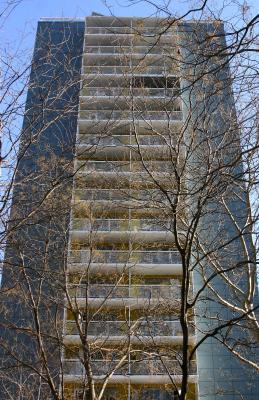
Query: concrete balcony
pixel 104 21
pixel 127 115
pixel 123 152
pixel 117 297
pixel 137 367
pixel 123 166
pixel 121 237
pixel 106 329
pixel 115 92
pixel 123 197
pixel 123 126
pixel 156 292
pixel 123 50
pixel 143 369
pixel 137 262
pixel 109 225
pixel 96 39
pixel 114 209
pixel 134 56
pixel 112 30
pixel 127 39
pixel 123 103
pixel 134 303
pixel 120 339
pixel 98 58
pixel 129 70
pixel 139 332
pixel 125 180
pixel 120 256
pixel 128 140
pixel 108 30
pixel 149 269
pixel 137 81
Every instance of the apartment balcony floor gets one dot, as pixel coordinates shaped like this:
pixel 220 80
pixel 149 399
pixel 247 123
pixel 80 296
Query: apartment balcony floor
pixel 124 291
pixel 140 340
pixel 144 371
pixel 95 126
pixel 124 152
pixel 142 327
pixel 149 269
pixel 133 379
pixel 120 237
pixel 134 257
pixel 132 303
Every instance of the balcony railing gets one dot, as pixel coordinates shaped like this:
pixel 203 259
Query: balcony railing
pixel 148 92
pixel 127 115
pixel 109 225
pixel 108 30
pixel 124 166
pixel 119 140
pixel 108 70
pixel 159 292
pixel 117 256
pixel 128 30
pixel 144 197
pixel 124 49
pixel 107 166
pixel 137 367
pixel 122 328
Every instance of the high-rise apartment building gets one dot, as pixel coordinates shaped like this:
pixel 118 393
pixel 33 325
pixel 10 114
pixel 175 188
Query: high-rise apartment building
pixel 114 105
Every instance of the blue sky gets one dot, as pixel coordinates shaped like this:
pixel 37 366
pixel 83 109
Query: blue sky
pixel 20 26
pixel 22 23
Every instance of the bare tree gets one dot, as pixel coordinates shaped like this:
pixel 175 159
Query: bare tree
pixel 164 172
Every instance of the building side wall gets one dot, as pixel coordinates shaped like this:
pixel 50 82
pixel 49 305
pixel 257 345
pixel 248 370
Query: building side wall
pixel 38 229
pixel 220 374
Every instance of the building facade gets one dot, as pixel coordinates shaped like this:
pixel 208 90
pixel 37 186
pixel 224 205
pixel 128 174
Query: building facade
pixel 132 267
pixel 113 146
